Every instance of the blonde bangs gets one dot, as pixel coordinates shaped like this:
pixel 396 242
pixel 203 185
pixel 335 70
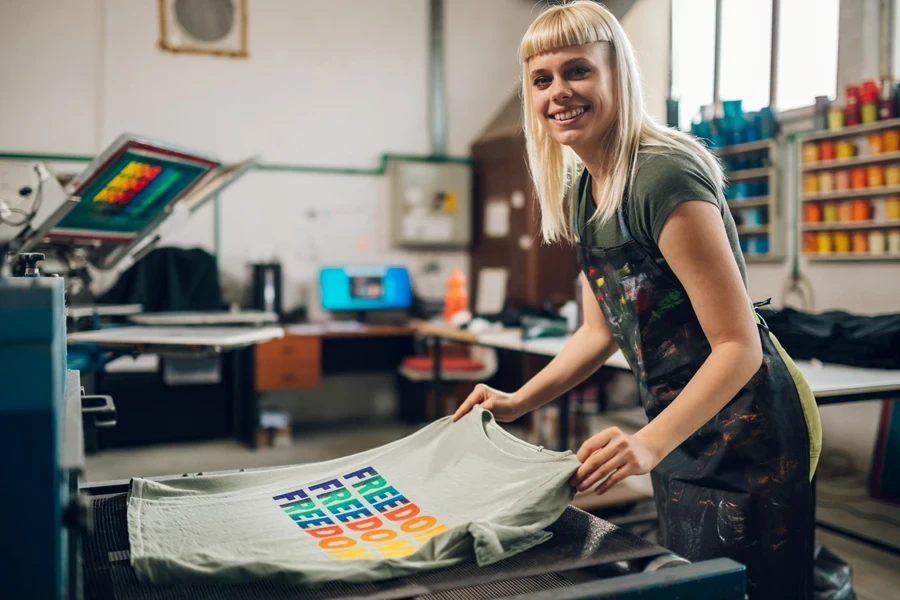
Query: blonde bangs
pixel 559 27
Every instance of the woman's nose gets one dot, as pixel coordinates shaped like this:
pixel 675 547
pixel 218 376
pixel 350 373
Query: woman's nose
pixel 561 89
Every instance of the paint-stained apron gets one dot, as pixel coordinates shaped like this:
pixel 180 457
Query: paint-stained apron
pixel 739 486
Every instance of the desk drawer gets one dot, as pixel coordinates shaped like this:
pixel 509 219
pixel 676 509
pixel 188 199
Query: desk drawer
pixel 290 363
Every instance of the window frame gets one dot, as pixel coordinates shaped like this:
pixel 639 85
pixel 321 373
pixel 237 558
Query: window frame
pixel 784 116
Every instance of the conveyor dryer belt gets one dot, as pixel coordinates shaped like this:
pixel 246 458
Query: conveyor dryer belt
pixel 580 541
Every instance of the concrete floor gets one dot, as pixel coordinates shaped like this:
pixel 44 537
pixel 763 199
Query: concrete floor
pixel 876 574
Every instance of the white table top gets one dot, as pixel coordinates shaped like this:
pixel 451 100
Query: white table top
pixel 103 310
pixel 826 380
pixel 169 336
pixel 214 317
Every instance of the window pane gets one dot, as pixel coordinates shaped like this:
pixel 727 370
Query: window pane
pixel 746 52
pixel 693 56
pixel 807 51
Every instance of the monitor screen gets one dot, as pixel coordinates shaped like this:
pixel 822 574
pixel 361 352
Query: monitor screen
pixel 127 191
pixel 364 288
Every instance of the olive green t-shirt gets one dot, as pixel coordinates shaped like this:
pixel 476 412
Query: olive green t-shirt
pixel 661 182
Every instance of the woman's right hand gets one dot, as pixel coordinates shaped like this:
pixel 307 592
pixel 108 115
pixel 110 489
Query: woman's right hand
pixel 504 406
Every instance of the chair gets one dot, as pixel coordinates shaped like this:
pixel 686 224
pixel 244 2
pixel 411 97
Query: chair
pixel 461 369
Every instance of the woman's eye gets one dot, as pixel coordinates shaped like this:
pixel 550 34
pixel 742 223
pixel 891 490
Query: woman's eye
pixel 540 81
pixel 579 71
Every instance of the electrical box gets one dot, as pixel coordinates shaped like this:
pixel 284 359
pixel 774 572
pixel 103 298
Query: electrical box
pixel 431 203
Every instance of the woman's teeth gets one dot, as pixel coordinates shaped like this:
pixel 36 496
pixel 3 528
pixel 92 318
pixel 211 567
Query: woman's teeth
pixel 570 114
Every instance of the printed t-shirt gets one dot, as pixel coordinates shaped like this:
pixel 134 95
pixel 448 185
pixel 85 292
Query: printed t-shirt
pixel 448 492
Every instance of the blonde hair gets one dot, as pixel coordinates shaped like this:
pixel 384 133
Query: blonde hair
pixel 554 167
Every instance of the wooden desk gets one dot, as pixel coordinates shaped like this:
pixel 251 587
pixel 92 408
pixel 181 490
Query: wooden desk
pixel 296 361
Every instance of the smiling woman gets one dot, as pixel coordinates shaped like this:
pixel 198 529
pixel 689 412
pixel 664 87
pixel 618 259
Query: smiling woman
pixel 733 433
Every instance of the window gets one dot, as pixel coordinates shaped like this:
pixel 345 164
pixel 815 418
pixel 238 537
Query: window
pixel 746 58
pixel 693 56
pixel 807 53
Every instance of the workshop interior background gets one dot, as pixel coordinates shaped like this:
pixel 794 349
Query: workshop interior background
pixel 326 87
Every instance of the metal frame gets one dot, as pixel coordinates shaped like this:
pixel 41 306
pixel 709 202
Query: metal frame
pixel 720 578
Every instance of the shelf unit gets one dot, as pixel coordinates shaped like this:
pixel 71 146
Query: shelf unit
pixel 868 192
pixel 856 161
pixel 770 228
pixel 851 257
pixel 870 227
pixel 850 225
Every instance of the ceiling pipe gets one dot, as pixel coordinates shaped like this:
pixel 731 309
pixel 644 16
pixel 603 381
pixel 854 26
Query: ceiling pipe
pixel 438 104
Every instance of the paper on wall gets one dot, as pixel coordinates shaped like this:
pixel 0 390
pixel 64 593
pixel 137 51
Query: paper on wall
pixel 491 295
pixel 496 218
pixel 428 228
pixel 438 228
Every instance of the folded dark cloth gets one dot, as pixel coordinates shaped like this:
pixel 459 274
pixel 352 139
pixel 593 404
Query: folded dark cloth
pixel 838 337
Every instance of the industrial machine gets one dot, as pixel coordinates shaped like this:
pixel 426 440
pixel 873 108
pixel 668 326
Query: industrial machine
pixel 64 538
pixel 111 214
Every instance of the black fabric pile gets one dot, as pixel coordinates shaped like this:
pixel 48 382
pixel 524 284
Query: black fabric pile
pixel 838 337
pixel 169 279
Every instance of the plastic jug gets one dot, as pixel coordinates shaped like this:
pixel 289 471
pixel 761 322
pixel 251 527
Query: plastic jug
pixel 457 298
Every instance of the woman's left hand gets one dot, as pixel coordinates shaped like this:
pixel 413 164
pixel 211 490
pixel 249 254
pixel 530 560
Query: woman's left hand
pixel 614 455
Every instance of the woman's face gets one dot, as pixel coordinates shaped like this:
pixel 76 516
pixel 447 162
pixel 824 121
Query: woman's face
pixel 573 93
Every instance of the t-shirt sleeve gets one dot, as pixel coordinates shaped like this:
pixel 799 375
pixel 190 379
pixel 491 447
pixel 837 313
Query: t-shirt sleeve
pixel 662 182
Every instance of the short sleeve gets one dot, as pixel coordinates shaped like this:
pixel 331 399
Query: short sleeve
pixel 662 182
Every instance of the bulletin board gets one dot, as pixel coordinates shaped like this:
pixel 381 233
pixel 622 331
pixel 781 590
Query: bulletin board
pixel 431 204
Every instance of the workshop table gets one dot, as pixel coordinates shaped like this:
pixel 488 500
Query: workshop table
pixel 189 341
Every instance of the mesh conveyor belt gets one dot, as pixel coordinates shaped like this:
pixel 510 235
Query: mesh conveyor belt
pixel 579 540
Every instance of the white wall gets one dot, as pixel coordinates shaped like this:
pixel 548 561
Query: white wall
pixel 647 26
pixel 333 83
pixel 326 84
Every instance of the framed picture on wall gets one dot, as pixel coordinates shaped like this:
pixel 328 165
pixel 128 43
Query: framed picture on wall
pixel 215 27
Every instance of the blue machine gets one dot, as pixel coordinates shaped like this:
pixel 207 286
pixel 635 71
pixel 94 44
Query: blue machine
pixel 362 288
pixel 41 460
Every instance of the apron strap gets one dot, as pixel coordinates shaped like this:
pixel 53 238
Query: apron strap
pixel 756 307
pixel 579 197
pixel 623 227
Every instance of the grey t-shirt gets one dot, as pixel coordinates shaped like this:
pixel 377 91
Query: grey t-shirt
pixel 662 181
pixel 448 492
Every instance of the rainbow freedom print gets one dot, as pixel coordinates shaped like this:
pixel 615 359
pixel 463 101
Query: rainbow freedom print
pixel 360 516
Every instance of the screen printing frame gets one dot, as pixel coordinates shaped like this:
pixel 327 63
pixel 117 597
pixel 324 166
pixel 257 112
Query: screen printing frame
pixel 106 248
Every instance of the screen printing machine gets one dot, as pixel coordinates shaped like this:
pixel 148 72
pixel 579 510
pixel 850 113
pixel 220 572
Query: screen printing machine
pixel 67 538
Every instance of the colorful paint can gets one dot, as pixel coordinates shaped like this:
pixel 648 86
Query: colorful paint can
pixel 845 149
pixel 823 242
pixel 826 182
pixel 860 242
pixel 875 144
pixel 892 208
pixel 875 175
pixel 892 175
pixel 893 242
pixel 842 180
pixel 876 242
pixel 858 178
pixel 842 242
pixel 813 212
pixel 830 212
pixel 835 118
pixel 891 140
pixel 862 210
pixel 810 152
pixel 845 212
pixel 810 245
pixel 811 183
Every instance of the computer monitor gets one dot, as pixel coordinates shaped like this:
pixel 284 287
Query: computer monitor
pixel 364 288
